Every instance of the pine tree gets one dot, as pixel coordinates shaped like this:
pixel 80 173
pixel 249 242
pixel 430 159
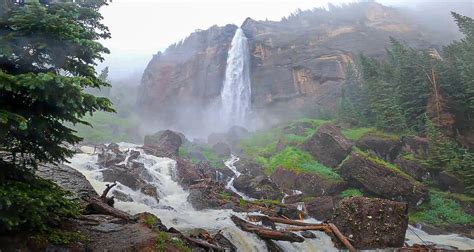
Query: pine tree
pixel 47 58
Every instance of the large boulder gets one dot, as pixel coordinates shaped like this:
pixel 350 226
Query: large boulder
pixel 384 146
pixel 260 187
pixel 372 223
pixel 418 146
pixel 320 208
pixel 221 149
pixel 69 179
pixel 187 173
pixel 164 143
pixel 377 178
pixel 310 184
pixel 134 176
pixel 449 181
pixel 328 145
pixel 247 166
pixel 413 167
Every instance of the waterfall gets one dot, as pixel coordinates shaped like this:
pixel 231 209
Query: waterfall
pixel 236 91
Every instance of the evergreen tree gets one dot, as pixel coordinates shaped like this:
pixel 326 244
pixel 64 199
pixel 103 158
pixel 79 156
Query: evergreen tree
pixel 47 58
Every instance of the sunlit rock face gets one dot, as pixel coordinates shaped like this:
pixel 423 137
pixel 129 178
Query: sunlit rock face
pixel 297 65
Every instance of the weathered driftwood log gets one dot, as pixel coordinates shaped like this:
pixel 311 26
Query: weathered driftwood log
pixel 341 237
pixel 266 233
pixel 278 220
pixel 96 205
pixel 315 227
pixel 103 197
pixel 203 244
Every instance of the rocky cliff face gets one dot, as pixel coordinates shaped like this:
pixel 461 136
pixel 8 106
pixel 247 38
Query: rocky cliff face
pixel 297 64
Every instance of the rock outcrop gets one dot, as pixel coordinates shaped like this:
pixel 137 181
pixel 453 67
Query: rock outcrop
pixel 377 223
pixel 164 143
pixel 321 208
pixel 297 65
pixel 376 178
pixel 328 145
pixel 385 147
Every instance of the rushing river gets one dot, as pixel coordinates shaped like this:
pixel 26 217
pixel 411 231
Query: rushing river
pixel 174 210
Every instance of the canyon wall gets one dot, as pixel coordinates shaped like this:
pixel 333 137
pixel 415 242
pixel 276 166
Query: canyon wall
pixel 297 64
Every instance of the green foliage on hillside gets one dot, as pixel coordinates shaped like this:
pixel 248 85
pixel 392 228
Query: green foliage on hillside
pixel 108 127
pixel 294 159
pixel 441 210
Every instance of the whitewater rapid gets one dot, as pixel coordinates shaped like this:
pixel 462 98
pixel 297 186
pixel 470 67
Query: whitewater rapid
pixel 175 211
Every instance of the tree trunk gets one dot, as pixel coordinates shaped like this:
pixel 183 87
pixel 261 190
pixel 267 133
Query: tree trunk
pixel 265 233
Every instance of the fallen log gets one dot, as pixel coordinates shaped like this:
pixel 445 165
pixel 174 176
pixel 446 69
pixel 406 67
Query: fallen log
pixel 278 220
pixel 266 233
pixel 96 205
pixel 316 227
pixel 203 244
pixel 341 237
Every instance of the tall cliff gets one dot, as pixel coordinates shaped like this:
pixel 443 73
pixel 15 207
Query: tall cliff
pixel 297 64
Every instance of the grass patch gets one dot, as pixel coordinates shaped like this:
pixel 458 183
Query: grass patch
pixel 62 237
pixel 109 127
pixel 351 192
pixel 357 133
pixel 297 160
pixel 214 161
pixel 441 210
pixel 225 195
pixel 180 245
pixel 150 221
pixel 160 243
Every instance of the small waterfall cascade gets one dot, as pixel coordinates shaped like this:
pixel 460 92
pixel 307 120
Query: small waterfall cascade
pixel 174 209
pixel 236 90
pixel 230 184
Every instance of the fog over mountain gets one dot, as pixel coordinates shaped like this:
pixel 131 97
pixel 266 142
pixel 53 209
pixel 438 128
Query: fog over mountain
pixel 142 28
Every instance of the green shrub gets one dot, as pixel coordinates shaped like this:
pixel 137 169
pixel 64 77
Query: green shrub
pixel 33 205
pixel 351 192
pixel 150 221
pixel 225 195
pixel 441 210
pixel 292 158
pixel 62 237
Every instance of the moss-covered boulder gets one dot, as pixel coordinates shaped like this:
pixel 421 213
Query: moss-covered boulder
pixel 372 223
pixel 311 184
pixel 328 145
pixel 414 167
pixel 260 187
pixel 387 147
pixel 381 179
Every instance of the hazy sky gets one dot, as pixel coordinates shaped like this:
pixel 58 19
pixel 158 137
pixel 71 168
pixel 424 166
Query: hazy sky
pixel 140 28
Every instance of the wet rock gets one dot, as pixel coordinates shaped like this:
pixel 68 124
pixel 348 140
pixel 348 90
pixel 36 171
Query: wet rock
pixel 418 146
pixel 110 157
pixel 273 247
pixel 374 177
pixel 291 211
pixel 135 177
pixel 69 179
pixel 415 168
pixel 221 149
pixel 384 146
pixel 164 143
pixel 122 196
pixel 222 241
pixel 372 223
pixel 200 200
pixel 187 173
pixel 260 187
pixel 310 184
pixel 308 234
pixel 320 208
pixel 450 182
pixel 328 145
pixel 133 155
pixel 151 221
pixel 215 138
pixel 246 166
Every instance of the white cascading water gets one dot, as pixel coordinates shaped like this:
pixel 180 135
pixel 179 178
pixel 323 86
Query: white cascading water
pixel 174 210
pixel 236 91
